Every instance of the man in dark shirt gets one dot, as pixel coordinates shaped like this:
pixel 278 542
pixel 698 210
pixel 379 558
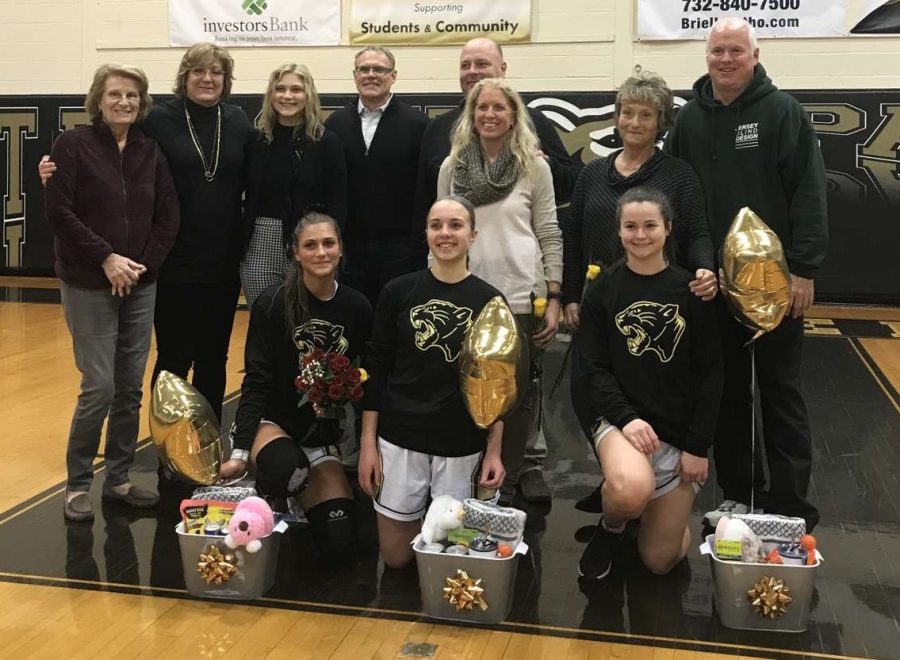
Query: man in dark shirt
pixel 483 58
pixel 752 145
pixel 381 137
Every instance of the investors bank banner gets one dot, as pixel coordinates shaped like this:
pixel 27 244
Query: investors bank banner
pixel 255 22
pixel 438 22
pixel 691 19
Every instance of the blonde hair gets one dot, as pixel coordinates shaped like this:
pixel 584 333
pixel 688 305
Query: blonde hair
pixel 521 138
pixel 200 55
pixel 104 71
pixel 312 123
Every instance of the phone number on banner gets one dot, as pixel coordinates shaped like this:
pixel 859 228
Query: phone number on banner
pixel 692 19
pixel 740 5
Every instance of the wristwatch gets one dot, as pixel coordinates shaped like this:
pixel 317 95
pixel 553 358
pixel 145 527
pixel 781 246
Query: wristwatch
pixel 554 295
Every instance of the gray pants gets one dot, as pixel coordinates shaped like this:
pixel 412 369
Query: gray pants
pixel 111 341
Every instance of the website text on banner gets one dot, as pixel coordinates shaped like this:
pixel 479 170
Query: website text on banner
pixel 234 23
pixel 438 22
pixel 691 19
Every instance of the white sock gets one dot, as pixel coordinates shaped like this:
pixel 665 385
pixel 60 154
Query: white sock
pixel 618 529
pixel 121 489
pixel 72 494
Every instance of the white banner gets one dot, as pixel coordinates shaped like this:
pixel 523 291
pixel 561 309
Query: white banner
pixel 438 22
pixel 691 19
pixel 233 23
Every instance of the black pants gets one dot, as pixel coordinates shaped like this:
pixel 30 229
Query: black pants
pixel 193 327
pixel 369 264
pixel 785 423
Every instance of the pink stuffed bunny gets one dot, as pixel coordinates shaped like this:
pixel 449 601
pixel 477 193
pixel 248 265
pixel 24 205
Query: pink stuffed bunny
pixel 252 520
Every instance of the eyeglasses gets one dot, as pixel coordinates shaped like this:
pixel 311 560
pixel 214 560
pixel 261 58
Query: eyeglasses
pixel 201 72
pixel 377 70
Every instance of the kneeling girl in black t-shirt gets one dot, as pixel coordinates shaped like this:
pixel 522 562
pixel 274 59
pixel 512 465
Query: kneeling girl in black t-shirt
pixel 646 385
pixel 418 439
pixel 293 451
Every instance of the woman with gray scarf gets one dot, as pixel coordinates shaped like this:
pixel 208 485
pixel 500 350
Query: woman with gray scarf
pixel 495 164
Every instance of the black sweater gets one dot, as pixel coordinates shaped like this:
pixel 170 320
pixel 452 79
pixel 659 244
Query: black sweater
pixel 648 348
pixel 591 233
pixel 436 147
pixel 272 357
pixel 760 151
pixel 208 246
pixel 382 178
pixel 292 176
pixel 413 361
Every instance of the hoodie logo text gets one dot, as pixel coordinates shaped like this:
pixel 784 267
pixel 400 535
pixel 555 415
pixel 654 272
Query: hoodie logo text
pixel 746 136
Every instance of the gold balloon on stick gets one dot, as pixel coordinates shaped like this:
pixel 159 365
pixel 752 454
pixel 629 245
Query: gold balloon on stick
pixel 756 281
pixel 491 370
pixel 185 430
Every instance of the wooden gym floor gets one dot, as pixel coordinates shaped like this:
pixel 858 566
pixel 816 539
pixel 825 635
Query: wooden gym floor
pixel 115 590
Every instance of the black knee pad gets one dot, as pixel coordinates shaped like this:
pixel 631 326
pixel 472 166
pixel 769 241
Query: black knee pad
pixel 331 524
pixel 282 469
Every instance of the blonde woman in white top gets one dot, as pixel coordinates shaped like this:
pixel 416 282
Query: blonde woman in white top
pixel 495 164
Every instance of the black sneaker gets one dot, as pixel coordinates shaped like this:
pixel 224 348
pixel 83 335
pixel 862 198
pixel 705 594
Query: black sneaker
pixel 596 560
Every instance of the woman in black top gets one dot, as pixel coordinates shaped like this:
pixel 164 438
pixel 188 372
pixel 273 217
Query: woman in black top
pixel 417 436
pixel 288 443
pixel 294 166
pixel 644 110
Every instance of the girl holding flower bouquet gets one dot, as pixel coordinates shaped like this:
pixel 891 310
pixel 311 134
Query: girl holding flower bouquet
pixel 418 439
pixel 301 369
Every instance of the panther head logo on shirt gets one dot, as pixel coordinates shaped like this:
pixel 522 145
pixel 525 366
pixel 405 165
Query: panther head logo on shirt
pixel 317 333
pixel 649 326
pixel 440 324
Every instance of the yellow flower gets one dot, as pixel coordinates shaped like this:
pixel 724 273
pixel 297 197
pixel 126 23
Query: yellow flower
pixel 363 375
pixel 540 306
pixel 592 271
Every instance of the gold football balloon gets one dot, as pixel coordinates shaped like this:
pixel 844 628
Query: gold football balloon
pixel 491 369
pixel 185 430
pixel 755 276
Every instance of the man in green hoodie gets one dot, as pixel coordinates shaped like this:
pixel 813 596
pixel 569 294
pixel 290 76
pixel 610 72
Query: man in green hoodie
pixel 753 145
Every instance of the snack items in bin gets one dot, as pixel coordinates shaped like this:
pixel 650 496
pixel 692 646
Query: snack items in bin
pixel 734 540
pixel 199 516
pixel 444 514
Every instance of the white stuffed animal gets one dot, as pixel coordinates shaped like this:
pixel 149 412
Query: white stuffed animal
pixel 444 514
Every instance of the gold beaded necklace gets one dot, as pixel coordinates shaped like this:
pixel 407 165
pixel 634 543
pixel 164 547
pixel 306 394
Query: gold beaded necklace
pixel 208 173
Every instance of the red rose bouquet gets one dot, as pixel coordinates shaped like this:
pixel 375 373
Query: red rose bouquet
pixel 329 381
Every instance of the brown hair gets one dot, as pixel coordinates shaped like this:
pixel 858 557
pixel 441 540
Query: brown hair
pixel 296 298
pixel 201 55
pixel 650 89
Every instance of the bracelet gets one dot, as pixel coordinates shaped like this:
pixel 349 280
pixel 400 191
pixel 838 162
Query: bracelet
pixel 554 295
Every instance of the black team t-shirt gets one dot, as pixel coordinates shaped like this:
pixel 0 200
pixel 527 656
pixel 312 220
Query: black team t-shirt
pixel 649 348
pixel 272 357
pixel 413 360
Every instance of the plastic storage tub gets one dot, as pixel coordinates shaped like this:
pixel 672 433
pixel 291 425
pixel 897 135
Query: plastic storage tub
pixel 732 580
pixel 256 570
pixel 498 578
